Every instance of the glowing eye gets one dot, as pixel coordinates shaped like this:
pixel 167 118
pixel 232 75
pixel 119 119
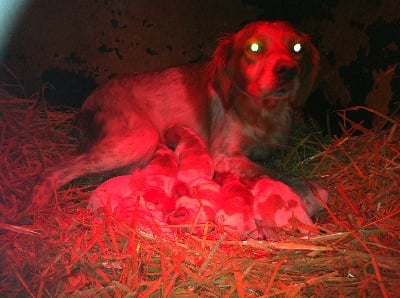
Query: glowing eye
pixel 297 47
pixel 255 47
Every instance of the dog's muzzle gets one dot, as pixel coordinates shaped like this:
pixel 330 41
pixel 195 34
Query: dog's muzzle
pixel 286 71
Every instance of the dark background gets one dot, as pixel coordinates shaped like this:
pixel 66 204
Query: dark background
pixel 65 48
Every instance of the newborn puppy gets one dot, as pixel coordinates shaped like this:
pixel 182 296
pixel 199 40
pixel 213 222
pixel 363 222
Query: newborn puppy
pixel 148 193
pixel 236 208
pixel 196 171
pixel 161 172
pixel 276 205
pixel 199 207
pixel 117 198
pixel 191 152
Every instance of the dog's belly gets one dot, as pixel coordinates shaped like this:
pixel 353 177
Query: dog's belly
pixel 173 96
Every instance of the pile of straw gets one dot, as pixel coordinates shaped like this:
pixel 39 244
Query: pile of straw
pixel 64 251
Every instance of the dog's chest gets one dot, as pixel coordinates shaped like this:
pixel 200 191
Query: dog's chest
pixel 233 136
pixel 266 132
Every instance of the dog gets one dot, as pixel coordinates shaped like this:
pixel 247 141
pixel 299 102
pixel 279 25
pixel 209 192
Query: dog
pixel 240 102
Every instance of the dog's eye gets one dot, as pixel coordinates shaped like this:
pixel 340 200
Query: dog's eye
pixel 255 47
pixel 297 47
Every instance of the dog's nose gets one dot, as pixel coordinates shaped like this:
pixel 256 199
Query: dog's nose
pixel 285 71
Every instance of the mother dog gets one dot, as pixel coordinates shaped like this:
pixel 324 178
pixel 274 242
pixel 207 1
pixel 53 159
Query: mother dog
pixel 239 102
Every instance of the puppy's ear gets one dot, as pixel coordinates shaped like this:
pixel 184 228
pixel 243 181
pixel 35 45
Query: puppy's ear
pixel 309 71
pixel 221 73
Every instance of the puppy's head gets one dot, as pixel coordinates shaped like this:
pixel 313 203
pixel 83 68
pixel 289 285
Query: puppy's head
pixel 268 62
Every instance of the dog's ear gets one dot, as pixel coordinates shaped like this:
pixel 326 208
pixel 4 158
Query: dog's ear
pixel 221 73
pixel 309 71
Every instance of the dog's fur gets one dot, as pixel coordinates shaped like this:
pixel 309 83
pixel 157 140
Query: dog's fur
pixel 239 102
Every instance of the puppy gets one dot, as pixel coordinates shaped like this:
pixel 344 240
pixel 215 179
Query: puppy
pixel 191 152
pixel 146 194
pixel 239 102
pixel 236 210
pixel 276 205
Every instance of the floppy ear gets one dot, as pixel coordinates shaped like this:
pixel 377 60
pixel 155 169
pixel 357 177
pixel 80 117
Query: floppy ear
pixel 221 74
pixel 309 72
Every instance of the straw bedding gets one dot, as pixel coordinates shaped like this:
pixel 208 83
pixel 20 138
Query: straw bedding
pixel 64 251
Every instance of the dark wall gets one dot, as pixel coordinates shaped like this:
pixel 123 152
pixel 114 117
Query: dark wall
pixel 89 40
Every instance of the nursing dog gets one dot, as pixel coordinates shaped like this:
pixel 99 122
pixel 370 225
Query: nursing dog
pixel 240 102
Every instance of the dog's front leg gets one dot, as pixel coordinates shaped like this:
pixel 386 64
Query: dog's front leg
pixel 239 165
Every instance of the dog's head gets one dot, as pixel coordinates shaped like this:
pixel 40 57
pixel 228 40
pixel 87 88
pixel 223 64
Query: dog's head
pixel 268 62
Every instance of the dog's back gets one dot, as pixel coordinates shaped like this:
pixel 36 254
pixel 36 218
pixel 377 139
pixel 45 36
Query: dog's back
pixel 173 96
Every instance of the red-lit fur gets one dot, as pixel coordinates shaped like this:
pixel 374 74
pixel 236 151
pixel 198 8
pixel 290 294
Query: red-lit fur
pixel 276 205
pixel 239 103
pixel 191 152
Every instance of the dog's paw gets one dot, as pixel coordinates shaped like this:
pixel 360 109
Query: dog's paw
pixel 312 194
pixel 239 165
